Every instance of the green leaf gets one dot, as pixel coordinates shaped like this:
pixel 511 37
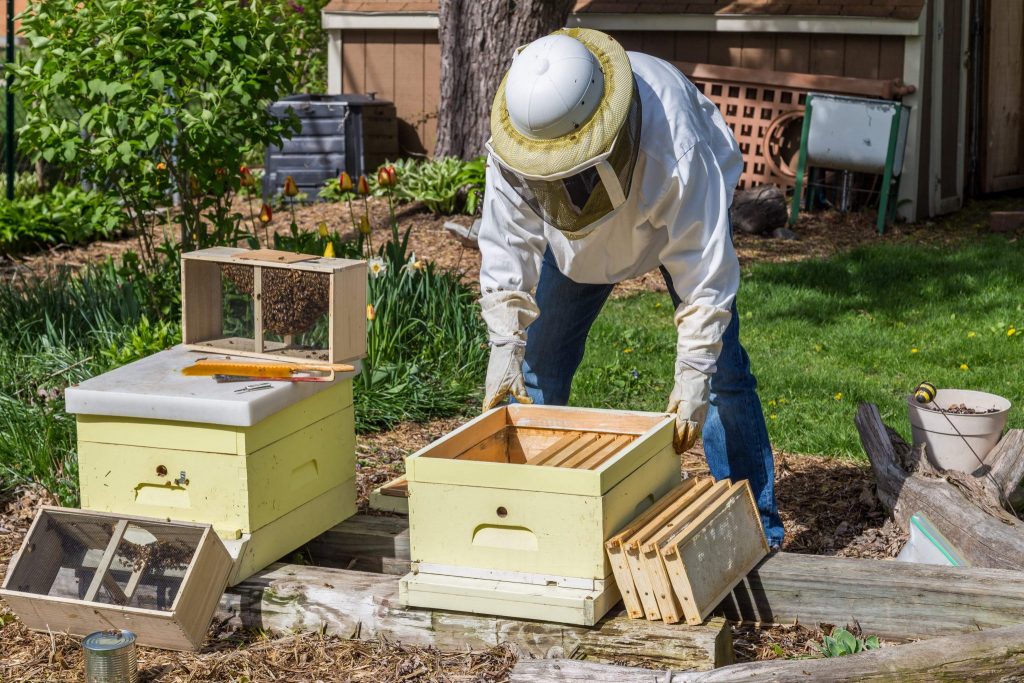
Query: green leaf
pixel 240 41
pixel 157 79
pixel 124 149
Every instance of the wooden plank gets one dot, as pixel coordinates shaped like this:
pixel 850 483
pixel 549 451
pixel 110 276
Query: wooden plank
pixel 758 51
pixel 860 58
pixel 1003 122
pixel 257 310
pixel 583 444
pixel 706 562
pixel 890 57
pixel 273 256
pixel 612 449
pixel 464 437
pixel 284 598
pixel 895 600
pixel 104 566
pixel 793 53
pixel 691 46
pixel 380 64
pixel 200 301
pixel 584 419
pixel 661 44
pixel 409 86
pixel 348 326
pixel 353 61
pixel 204 582
pixel 725 49
pixel 827 54
pixel 431 89
pixel 493 448
pixel 398 488
pixel 994 655
pixel 657 575
pixel 686 517
pixel 851 86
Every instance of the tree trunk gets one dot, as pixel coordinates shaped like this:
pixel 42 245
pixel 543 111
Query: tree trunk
pixel 478 38
pixel 959 505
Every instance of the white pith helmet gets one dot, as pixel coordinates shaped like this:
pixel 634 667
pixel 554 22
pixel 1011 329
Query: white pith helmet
pixel 553 87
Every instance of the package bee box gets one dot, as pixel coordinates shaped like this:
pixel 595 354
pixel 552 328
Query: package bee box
pixel 302 307
pixel 269 470
pixel 522 499
pixel 681 557
pixel 80 572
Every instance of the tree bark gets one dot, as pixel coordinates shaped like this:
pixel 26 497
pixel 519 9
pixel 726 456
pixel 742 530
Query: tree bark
pixel 996 655
pixel 957 504
pixel 478 38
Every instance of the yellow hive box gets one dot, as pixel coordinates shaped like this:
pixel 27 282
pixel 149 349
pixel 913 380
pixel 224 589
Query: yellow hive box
pixel 269 470
pixel 517 504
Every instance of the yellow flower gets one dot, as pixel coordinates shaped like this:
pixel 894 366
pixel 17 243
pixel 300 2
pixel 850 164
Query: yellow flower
pixel 364 225
pixel 838 396
pixel 773 416
pixel 913 350
pixel 371 312
pixel 972 335
pixel 771 402
pixel 627 350
pixel 1011 332
pixel 964 366
pixel 322 228
pixel 290 188
pixel 782 401
pixel 329 250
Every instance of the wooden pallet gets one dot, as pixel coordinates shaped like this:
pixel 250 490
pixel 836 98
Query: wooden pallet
pixel 682 556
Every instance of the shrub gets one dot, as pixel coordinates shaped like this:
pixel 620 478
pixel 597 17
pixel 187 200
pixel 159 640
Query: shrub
pixel 149 98
pixel 68 215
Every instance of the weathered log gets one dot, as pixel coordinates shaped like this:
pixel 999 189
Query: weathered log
pixel 996 655
pixel 286 598
pixel 759 210
pixel 1004 467
pixel 894 600
pixel 955 510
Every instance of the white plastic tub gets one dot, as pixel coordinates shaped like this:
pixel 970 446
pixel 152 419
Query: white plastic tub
pixel 954 441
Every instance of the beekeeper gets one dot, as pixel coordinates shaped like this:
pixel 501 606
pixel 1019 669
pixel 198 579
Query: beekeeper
pixel 604 166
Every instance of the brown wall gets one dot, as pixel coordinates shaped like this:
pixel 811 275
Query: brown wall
pixel 404 66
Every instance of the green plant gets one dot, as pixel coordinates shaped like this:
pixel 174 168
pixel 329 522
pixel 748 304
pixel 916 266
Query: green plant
pixel 63 214
pixel 842 643
pixel 150 98
pixel 307 43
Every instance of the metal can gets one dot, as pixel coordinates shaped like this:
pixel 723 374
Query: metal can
pixel 110 657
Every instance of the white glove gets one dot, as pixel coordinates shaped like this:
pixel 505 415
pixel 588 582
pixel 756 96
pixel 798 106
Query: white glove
pixel 699 331
pixel 689 403
pixel 507 315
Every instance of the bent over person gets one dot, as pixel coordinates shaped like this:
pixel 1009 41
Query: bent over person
pixel 603 166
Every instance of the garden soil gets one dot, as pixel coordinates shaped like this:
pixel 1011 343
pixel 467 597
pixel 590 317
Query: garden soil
pixel 828 505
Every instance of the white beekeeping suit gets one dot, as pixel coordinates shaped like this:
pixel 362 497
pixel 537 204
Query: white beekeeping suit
pixel 666 195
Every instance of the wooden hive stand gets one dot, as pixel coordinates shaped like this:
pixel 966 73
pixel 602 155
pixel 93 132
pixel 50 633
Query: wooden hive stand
pixel 290 292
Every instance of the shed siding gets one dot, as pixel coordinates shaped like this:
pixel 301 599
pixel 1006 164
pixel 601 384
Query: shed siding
pixel 404 66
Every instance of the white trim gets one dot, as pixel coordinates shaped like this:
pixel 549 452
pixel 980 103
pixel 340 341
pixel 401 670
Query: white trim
pixel 428 21
pixel 935 142
pixel 913 74
pixel 575 583
pixel 334 62
pixel 413 21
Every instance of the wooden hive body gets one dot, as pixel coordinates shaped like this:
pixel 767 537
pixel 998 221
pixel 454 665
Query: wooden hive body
pixel 525 496
pixel 342 299
pixel 266 488
pixel 80 572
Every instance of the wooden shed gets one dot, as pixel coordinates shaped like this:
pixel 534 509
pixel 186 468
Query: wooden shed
pixel 963 57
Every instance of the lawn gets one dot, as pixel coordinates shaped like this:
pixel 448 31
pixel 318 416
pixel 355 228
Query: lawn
pixel 824 335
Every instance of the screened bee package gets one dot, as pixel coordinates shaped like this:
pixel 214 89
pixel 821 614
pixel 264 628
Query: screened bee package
pixel 81 572
pixel 274 305
pixel 508 515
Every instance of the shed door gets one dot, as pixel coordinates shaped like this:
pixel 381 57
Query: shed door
pixel 1003 133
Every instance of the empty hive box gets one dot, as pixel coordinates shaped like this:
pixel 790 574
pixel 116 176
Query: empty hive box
pixel 269 469
pixel 80 572
pixel 508 515
pixel 273 305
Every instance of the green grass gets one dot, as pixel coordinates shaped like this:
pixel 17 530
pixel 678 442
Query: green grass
pixel 824 335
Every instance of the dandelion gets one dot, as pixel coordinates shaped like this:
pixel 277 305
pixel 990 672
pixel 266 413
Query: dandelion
pixel 782 401
pixel 972 335
pixel 627 350
pixel 773 416
pixel 377 266
pixel 913 350
pixel 329 250
pixel 1012 331
pixel 838 396
pixel 964 366
pixel 771 403
pixel 371 312
pixel 322 229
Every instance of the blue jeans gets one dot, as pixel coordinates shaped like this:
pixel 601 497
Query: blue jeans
pixel 735 436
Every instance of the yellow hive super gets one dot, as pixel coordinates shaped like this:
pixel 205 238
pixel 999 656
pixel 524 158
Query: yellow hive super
pixel 525 492
pixel 265 487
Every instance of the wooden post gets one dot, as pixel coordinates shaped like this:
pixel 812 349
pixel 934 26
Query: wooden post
pixel 103 567
pixel 257 308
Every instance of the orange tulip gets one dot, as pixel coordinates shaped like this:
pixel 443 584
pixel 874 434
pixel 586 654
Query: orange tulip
pixel 363 187
pixel 345 182
pixel 371 313
pixel 161 166
pixel 266 214
pixel 290 188
pixel 392 175
pixel 248 179
pixel 383 179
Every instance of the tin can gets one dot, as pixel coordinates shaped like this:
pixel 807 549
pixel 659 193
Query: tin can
pixel 110 657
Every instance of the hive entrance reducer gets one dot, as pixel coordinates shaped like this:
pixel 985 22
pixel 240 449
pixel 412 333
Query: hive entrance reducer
pixel 81 571
pixel 274 305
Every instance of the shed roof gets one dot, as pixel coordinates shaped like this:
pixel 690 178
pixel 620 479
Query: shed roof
pixel 896 9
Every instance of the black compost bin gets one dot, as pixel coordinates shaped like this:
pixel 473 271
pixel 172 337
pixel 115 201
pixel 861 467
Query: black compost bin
pixel 353 133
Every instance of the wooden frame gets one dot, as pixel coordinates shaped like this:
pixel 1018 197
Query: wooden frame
pixel 202 324
pixel 73 551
